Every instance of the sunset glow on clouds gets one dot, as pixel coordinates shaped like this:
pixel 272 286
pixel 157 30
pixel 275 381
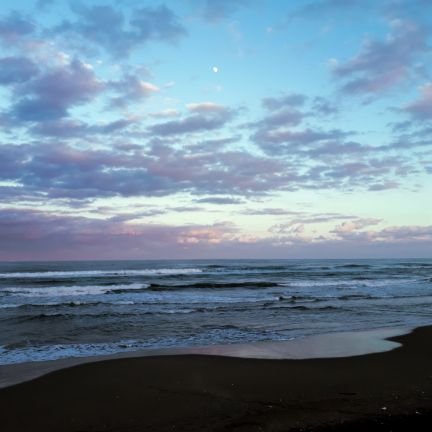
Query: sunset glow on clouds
pixel 215 129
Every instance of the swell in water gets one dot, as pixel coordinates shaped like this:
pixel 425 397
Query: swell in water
pixel 54 310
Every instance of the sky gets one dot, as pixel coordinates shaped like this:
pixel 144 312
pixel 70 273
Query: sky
pixel 139 129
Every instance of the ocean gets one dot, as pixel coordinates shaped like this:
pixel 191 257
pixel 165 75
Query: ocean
pixel 52 310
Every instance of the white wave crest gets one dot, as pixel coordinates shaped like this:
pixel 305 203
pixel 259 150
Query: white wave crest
pixel 100 273
pixel 60 291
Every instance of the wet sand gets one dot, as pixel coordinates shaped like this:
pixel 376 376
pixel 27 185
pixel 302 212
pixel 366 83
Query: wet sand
pixel 195 392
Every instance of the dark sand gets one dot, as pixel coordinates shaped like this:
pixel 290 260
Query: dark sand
pixel 389 391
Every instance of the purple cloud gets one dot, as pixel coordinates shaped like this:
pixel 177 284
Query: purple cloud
pixel 15 70
pixel 421 108
pixel 339 148
pixel 58 171
pixel 203 121
pixel 322 106
pixel 131 89
pixel 32 234
pixel 216 10
pixel 219 200
pixel 275 132
pixel 62 171
pixel 50 95
pixel 289 100
pixel 382 65
pixel 268 137
pixel 29 233
pixel 108 28
pixel 318 8
pixel 66 128
pixel 270 212
pixel 14 26
pixel 211 145
pixel 286 116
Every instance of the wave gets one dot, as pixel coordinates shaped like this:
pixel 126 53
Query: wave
pixel 359 266
pixel 304 308
pixel 100 273
pixel 356 297
pixel 67 304
pixel 211 285
pixel 248 267
pixel 415 264
pixel 346 282
pixel 301 307
pixel 318 283
pixel 77 290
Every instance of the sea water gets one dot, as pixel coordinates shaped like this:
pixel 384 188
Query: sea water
pixel 54 310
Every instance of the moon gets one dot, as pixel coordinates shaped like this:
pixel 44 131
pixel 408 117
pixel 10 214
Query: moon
pixel 215 69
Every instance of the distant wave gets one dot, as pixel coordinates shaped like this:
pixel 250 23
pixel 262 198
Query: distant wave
pixel 345 282
pixel 78 290
pixel 248 267
pixel 301 307
pixel 68 304
pixel 213 285
pixel 100 273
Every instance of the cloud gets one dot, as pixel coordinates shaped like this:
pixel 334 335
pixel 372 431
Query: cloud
pixel 56 170
pixel 211 145
pixel 131 89
pixel 44 4
pixel 270 212
pixel 275 132
pixel 404 233
pixel 186 209
pixel 356 231
pixel 287 100
pixel 334 148
pixel 412 9
pixel 353 234
pixel 318 8
pixel 289 230
pixel 351 228
pixel 205 107
pixel 219 200
pixel 421 108
pixel 166 113
pixel 322 106
pixel 107 27
pixel 205 120
pixel 268 137
pixel 50 95
pixel 64 171
pixel 67 128
pixel 381 65
pixel 286 116
pixel 15 70
pixel 297 229
pixel 27 234
pixel 217 10
pixel 14 26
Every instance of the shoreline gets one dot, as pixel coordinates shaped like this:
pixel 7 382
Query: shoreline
pixel 326 345
pixel 198 392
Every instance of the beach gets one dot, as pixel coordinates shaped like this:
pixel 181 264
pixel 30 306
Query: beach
pixel 194 392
